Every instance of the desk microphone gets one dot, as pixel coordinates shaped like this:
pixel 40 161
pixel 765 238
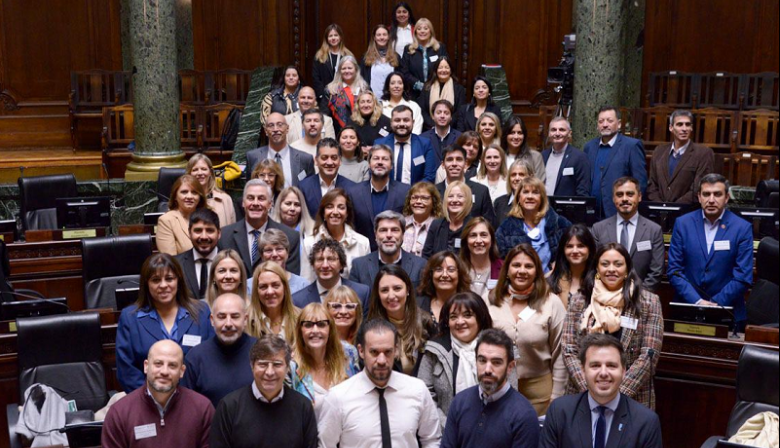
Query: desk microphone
pixel 31 297
pixel 132 282
pixel 704 295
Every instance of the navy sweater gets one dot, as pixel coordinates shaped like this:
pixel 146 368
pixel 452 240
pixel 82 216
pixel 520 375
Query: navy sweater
pixel 509 422
pixel 215 370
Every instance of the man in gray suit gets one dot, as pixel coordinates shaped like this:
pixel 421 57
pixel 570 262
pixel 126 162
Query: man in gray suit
pixel 389 227
pixel 643 238
pixel 296 165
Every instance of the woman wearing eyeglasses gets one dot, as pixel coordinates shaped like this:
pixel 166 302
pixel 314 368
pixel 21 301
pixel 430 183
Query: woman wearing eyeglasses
pixel 346 310
pixel 321 359
pixel 422 206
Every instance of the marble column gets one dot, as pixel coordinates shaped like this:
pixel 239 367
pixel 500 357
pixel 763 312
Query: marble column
pixel 124 33
pixel 155 95
pixel 600 63
pixel 633 54
pixel 185 47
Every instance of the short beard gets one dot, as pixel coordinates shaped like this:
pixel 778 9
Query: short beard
pixel 161 390
pixel 491 388
pixel 387 251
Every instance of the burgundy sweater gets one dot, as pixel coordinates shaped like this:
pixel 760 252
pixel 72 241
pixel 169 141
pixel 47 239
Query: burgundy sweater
pixel 187 421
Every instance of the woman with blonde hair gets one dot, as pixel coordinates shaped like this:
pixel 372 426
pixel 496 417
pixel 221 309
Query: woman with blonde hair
pixel 489 129
pixel 200 167
pixel 173 227
pixel 327 60
pixel 518 170
pixel 347 311
pixel 420 55
pixel 343 91
pixel 380 59
pixel 445 232
pixel 290 209
pixel 227 274
pixel 492 172
pixel 368 120
pixel 271 173
pixel 271 310
pixel 532 221
pixel 422 206
pixel 320 359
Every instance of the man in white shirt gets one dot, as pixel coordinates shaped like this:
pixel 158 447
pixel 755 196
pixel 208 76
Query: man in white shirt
pixel 296 165
pixel 196 262
pixel 307 99
pixel 402 404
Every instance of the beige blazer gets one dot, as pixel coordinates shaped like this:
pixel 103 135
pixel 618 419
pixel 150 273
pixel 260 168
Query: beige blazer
pixel 222 204
pixel 173 235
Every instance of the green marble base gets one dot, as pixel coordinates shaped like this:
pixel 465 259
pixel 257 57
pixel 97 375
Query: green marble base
pixel 497 77
pixel 250 128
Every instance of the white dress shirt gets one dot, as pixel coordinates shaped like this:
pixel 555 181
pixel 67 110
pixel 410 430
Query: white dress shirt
pixel 634 221
pixel 325 188
pixel 350 414
pixel 286 166
pixel 406 163
pixel 403 37
pixel 552 168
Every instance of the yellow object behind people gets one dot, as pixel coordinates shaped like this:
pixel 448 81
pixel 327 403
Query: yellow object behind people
pixel 229 171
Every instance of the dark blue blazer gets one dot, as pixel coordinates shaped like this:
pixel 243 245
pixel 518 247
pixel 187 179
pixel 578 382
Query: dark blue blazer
pixel 723 274
pixel 235 237
pixel 366 268
pixel 568 425
pixel 421 147
pixel 439 145
pixel 135 335
pixel 364 207
pixel 626 158
pixel 310 187
pixel 310 294
pixel 579 182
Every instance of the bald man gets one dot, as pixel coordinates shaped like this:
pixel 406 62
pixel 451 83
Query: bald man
pixel 296 165
pixel 218 366
pixel 160 413
pixel 307 99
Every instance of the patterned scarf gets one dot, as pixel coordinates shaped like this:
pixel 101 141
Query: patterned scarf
pixel 605 308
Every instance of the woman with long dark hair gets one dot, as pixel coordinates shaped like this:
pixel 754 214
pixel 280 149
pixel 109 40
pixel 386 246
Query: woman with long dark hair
pixel 441 85
pixel 572 261
pixel 443 276
pixel 402 29
pixel 284 97
pixel 515 142
pixel 481 102
pixel 396 93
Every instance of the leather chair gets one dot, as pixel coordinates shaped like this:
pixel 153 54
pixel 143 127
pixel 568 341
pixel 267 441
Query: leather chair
pixel 757 389
pixel 165 181
pixel 37 197
pixel 63 352
pixel 763 305
pixel 112 263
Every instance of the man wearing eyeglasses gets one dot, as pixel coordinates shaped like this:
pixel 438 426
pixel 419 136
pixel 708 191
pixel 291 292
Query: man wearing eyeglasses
pixel 328 259
pixel 296 164
pixel 266 413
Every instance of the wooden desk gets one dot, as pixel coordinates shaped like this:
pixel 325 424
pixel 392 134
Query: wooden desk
pixel 53 268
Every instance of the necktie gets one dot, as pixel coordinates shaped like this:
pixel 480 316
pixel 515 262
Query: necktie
pixel 601 429
pixel 204 277
pixel 255 250
pixel 384 419
pixel 624 235
pixel 278 160
pixel 399 170
pixel 674 159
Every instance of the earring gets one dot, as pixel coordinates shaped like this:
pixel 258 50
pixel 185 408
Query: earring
pixel 598 277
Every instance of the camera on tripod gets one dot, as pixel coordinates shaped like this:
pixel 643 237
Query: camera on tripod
pixel 563 73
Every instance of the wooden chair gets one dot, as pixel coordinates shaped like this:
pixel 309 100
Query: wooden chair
pixel 546 114
pixel 654 126
pixel 760 91
pixel 195 87
pixel 90 92
pixel 715 128
pixel 721 90
pixel 758 131
pixel 231 86
pixel 214 118
pixel 118 127
pixel 746 169
pixel 673 89
pixel 190 127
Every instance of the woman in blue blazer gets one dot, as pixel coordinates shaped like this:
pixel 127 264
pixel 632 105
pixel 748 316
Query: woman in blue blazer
pixel 164 310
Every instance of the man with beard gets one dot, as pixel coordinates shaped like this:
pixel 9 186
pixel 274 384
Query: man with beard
pixel 196 263
pixel 403 405
pixel 378 193
pixel 296 165
pixel 455 167
pixel 312 132
pixel 328 160
pixel 160 413
pixel 492 413
pixel 307 99
pixel 413 157
pixel 389 229
pixel 218 365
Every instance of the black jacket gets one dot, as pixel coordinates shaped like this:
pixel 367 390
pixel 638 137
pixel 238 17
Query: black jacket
pixel 425 104
pixel 482 206
pixel 465 119
pixel 322 75
pixel 368 134
pixel 412 66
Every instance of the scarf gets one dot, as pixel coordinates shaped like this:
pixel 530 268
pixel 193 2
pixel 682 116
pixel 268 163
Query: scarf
pixel 521 295
pixel 467 366
pixel 439 93
pixel 605 308
pixel 340 105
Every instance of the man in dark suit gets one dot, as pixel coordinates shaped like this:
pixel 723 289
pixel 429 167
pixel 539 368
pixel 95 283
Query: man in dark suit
pixel 643 238
pixel 328 259
pixel 413 157
pixel 711 252
pixel 328 162
pixel 602 417
pixel 389 229
pixel 567 168
pixel 676 168
pixel 442 134
pixel 196 262
pixel 297 165
pixel 455 167
pixel 613 155
pixel 377 194
pixel 244 236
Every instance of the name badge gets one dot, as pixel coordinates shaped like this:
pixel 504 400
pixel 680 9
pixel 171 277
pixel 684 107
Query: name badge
pixel 723 245
pixel 533 234
pixel 457 243
pixel 421 238
pixel 492 283
pixel 383 132
pixel 526 314
pixel 642 246
pixel 434 58
pixel 629 322
pixel 190 340
pixel 473 199
pixel 419 160
pixel 515 351
pixel 568 171
pixel 145 431
pixel 302 175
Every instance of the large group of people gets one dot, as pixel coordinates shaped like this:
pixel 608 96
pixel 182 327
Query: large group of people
pixel 400 276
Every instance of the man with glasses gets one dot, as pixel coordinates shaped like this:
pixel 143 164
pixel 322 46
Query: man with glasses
pixel 378 193
pixel 266 413
pixel 296 165
pixel 328 259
